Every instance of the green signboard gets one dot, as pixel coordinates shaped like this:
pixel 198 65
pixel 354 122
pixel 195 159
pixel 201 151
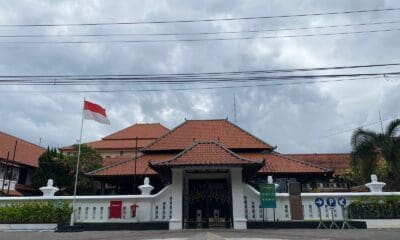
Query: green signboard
pixel 267 195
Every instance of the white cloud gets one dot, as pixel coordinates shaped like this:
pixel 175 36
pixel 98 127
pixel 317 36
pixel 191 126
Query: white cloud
pixel 296 118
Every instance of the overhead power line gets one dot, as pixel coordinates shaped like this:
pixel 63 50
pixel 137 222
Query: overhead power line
pixel 361 126
pixel 183 88
pixel 286 70
pixel 168 81
pixel 199 20
pixel 200 39
pixel 196 33
pixel 172 80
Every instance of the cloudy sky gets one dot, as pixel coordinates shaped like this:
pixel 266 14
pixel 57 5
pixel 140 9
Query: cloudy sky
pixel 296 118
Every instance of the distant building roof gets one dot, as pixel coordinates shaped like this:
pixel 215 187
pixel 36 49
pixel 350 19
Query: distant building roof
pixel 338 162
pixel 126 138
pixel 26 153
pixel 127 167
pixel 139 130
pixel 279 163
pixel 221 130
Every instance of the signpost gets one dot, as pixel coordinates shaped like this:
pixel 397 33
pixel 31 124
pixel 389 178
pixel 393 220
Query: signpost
pixel 332 204
pixel 319 202
pixel 267 196
pixel 342 203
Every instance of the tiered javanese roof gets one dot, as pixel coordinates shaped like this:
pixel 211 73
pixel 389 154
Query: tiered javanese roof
pixel 228 134
pixel 26 153
pixel 210 142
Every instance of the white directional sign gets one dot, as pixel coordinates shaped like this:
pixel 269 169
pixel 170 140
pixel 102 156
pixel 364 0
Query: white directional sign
pixel 319 202
pixel 342 201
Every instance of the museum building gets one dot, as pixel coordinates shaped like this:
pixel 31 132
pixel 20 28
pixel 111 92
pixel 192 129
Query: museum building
pixel 205 162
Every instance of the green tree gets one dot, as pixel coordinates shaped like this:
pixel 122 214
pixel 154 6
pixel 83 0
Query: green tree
pixel 61 168
pixel 52 165
pixel 377 152
pixel 90 160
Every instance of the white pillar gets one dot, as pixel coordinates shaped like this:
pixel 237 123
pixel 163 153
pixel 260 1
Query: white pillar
pixel 175 223
pixel 239 220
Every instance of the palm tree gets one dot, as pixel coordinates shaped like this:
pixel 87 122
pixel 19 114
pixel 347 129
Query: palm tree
pixel 373 149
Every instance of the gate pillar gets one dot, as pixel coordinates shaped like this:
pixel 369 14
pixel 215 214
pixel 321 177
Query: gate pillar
pixel 239 220
pixel 175 223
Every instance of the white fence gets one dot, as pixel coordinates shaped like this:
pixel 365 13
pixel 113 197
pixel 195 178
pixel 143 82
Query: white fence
pixel 253 212
pixel 157 207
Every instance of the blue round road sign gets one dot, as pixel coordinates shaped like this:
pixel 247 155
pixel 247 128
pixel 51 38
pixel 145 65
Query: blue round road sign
pixel 342 201
pixel 331 202
pixel 319 202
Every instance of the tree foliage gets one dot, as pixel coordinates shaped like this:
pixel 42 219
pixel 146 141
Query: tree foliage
pixel 53 165
pixel 61 168
pixel 90 160
pixel 377 153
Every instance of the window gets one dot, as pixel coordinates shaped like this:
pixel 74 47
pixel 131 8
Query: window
pixel 121 153
pixel 22 176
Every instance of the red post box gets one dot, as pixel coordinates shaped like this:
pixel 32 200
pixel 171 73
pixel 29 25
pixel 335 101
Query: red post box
pixel 115 209
pixel 133 210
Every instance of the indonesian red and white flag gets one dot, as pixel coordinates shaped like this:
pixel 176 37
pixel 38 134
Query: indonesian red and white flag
pixel 95 112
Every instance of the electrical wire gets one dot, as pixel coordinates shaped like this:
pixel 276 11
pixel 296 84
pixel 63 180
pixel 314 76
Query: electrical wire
pixel 184 89
pixel 197 33
pixel 347 67
pixel 361 126
pixel 198 40
pixel 117 80
pixel 199 20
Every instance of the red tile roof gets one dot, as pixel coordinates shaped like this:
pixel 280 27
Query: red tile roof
pixel 206 153
pixel 339 162
pixel 141 131
pixel 209 154
pixel 221 130
pixel 26 153
pixel 278 163
pixel 127 167
pixel 114 144
pixel 107 161
pixel 126 138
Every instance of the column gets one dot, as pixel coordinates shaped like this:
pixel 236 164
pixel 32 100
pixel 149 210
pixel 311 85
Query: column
pixel 175 223
pixel 239 220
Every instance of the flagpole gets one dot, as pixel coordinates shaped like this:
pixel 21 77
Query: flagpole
pixel 71 223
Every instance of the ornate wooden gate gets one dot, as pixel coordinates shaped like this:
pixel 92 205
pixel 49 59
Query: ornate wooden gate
pixel 208 204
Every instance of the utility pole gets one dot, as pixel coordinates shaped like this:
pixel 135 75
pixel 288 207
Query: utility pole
pixel 5 171
pixel 380 119
pixel 13 159
pixel 134 176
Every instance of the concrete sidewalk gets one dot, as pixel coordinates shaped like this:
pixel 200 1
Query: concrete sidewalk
pixel 209 235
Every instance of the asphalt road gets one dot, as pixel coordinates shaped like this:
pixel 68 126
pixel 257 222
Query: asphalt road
pixel 211 235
